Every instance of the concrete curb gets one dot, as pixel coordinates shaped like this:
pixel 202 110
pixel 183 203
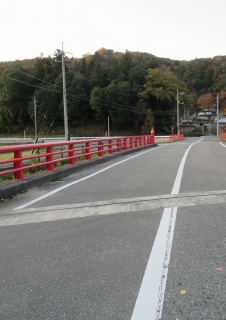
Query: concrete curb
pixel 12 187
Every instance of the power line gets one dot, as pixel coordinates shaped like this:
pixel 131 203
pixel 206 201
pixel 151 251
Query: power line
pixel 29 75
pixel 110 104
pixel 78 96
pixel 32 85
pixel 54 119
pixel 72 95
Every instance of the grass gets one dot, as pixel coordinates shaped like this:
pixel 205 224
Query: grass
pixel 10 176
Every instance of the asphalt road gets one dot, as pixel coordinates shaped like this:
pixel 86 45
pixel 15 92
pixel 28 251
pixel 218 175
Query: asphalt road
pixel 139 238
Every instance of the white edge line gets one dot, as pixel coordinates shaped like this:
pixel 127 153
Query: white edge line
pixel 177 183
pixel 150 299
pixel 80 180
pixel 222 144
pixel 166 262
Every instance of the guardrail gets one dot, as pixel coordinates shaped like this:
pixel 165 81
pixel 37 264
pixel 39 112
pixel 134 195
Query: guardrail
pixel 174 137
pixel 223 135
pixel 161 137
pixel 44 139
pixel 50 153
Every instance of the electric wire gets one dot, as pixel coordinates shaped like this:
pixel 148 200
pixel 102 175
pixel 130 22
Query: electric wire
pixel 138 110
pixel 78 96
pixel 44 117
pixel 54 120
pixel 30 75
pixel 110 104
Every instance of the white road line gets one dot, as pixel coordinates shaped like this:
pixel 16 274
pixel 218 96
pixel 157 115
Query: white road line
pixel 85 178
pixel 149 303
pixel 177 182
pixel 222 144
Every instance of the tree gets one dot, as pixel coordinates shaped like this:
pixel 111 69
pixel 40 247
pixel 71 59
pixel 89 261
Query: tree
pixel 137 75
pixel 115 73
pixel 161 86
pixel 99 103
pixel 126 63
pixel 148 123
pixel 160 93
pixel 15 93
pixel 206 101
pixel 120 96
pixel 78 100
pixel 43 68
pixel 113 101
pixel 209 78
pixel 222 100
pixel 49 102
pixel 83 67
pixel 152 64
pixel 97 71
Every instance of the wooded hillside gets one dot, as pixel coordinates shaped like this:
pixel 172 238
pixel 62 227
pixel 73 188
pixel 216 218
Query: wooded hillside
pixel 135 90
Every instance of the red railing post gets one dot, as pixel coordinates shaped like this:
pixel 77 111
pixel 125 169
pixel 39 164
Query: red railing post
pixel 17 165
pixel 88 156
pixel 136 144
pixel 131 143
pixel 50 166
pixel 100 149
pixel 110 147
pixel 71 154
pixel 144 141
pixel 153 135
pixel 140 141
pixel 125 144
pixel 118 145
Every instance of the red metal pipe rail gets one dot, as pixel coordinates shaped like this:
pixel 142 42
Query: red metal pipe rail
pixel 73 149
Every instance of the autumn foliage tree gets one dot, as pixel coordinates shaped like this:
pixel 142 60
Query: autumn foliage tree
pixel 206 101
pixel 148 123
pixel 123 86
pixel 222 100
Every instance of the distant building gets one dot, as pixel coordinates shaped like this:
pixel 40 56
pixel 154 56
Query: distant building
pixel 187 122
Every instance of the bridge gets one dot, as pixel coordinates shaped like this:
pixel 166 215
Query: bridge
pixel 139 237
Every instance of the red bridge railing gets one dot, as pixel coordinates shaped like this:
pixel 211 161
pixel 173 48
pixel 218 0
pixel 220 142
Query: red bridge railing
pixel 47 154
pixel 173 137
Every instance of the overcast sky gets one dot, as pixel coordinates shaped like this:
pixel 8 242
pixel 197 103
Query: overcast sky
pixel 175 29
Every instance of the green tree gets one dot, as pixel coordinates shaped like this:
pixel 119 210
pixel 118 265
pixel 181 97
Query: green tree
pixel 161 85
pixel 99 102
pixel 97 71
pixel 43 68
pixel 160 92
pixel 83 67
pixel 115 73
pixel 15 93
pixel 78 100
pixel 137 75
pixel 113 101
pixel 126 63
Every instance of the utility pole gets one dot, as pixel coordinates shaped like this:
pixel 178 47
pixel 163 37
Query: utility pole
pixel 64 97
pixel 177 111
pixel 108 127
pixel 35 105
pixel 217 115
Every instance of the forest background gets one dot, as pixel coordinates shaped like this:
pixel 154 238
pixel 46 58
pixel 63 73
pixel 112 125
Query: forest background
pixel 135 90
